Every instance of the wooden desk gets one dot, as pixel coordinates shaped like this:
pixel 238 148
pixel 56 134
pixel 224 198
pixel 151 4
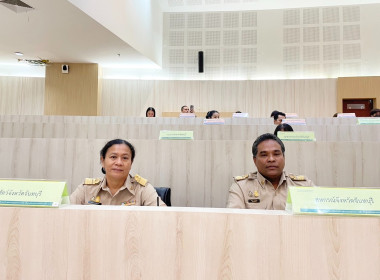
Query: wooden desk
pixel 103 242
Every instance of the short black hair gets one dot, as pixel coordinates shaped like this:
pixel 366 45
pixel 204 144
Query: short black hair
pixel 275 116
pixel 283 127
pixel 150 109
pixel 264 137
pixel 210 113
pixel 109 144
pixel 273 113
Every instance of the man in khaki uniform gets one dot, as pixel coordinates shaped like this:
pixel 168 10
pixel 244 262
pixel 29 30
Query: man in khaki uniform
pixel 136 191
pixel 268 187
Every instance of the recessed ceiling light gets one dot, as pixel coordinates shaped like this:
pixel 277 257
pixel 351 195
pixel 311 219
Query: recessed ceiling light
pixel 19 53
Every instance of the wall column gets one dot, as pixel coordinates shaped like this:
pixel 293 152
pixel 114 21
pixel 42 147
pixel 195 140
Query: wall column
pixel 76 93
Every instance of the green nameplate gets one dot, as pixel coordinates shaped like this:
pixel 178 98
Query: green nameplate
pixel 333 201
pixel 176 135
pixel 368 120
pixel 296 135
pixel 33 193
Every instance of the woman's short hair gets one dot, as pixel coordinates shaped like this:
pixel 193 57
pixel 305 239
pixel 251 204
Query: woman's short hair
pixel 150 109
pixel 283 127
pixel 210 113
pixel 109 144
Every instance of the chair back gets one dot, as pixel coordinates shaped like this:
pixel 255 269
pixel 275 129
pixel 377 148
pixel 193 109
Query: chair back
pixel 164 194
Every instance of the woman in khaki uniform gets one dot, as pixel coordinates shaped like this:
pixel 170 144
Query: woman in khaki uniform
pixel 117 187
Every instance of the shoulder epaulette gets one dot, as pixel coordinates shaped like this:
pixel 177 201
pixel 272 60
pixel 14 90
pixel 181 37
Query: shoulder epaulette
pixel 142 181
pixel 297 177
pixel 239 178
pixel 91 181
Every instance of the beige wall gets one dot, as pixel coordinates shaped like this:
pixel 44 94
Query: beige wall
pixel 356 88
pixel 69 94
pixel 75 93
pixel 308 98
pixel 22 96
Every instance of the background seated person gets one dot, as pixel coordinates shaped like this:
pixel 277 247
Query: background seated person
pixel 273 113
pixel 117 187
pixel 268 187
pixel 212 114
pixel 185 109
pixel 278 117
pixel 375 113
pixel 150 112
pixel 283 127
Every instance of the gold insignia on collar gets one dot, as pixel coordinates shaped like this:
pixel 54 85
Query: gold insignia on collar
pixel 91 181
pixel 250 194
pixel 141 180
pixel 239 178
pixel 256 193
pixel 297 177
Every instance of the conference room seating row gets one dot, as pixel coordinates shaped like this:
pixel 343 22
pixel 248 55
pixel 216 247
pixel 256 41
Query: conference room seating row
pixel 199 172
pixel 157 120
pixel 201 132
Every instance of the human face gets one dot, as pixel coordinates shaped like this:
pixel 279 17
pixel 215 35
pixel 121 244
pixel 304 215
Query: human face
pixel 279 120
pixel 185 109
pixel 270 160
pixel 150 114
pixel 215 116
pixel 117 162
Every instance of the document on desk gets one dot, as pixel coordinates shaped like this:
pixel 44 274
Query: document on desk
pixel 333 201
pixel 33 193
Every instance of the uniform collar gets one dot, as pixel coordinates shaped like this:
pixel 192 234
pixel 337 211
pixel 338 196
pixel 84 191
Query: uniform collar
pixel 127 185
pixel 262 179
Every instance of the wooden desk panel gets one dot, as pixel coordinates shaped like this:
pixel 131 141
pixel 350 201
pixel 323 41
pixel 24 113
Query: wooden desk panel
pixel 99 242
pixel 345 133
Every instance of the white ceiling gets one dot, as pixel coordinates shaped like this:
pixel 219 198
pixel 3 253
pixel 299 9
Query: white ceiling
pixel 59 31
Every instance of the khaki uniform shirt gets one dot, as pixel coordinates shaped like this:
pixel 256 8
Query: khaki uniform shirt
pixel 253 191
pixel 136 191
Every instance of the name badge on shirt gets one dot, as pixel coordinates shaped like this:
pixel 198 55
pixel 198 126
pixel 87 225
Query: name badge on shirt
pixel 129 203
pixel 256 200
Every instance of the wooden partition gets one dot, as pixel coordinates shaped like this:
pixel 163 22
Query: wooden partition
pixel 201 132
pixel 74 93
pixel 357 88
pixel 201 115
pixel 199 172
pixel 100 242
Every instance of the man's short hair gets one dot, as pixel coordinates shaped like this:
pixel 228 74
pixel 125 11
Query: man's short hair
pixel 264 137
pixel 275 116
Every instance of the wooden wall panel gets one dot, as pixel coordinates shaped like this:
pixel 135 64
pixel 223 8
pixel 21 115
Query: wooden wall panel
pixel 308 98
pixel 356 88
pixel 347 133
pixel 75 93
pixel 199 172
pixel 102 242
pixel 22 96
